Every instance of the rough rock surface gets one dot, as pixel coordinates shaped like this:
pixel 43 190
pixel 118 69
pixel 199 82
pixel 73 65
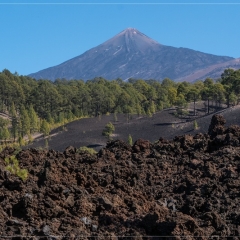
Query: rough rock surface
pixel 187 187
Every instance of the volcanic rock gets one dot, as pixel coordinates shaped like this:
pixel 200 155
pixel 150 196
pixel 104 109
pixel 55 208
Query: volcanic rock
pixel 184 188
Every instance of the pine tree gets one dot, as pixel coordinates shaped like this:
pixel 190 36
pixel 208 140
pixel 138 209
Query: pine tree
pixel 14 121
pixel 61 117
pixel 33 119
pixel 195 124
pixel 149 113
pixel 21 141
pixel 108 130
pixel 130 141
pixel 19 128
pixel 152 107
pixel 25 121
pixel 115 116
pixel 45 128
pixel 138 109
pixel 5 134
pixel 14 129
pixel 50 119
pixel 13 110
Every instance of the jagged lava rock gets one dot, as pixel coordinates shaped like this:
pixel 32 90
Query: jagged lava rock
pixel 187 187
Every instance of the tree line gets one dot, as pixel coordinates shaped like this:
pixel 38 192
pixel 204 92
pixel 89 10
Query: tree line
pixel 39 105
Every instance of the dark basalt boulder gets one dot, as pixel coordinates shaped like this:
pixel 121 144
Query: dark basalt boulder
pixel 216 126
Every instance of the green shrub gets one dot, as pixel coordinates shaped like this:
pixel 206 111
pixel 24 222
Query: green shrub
pixel 195 124
pixel 86 150
pixel 13 167
pixel 115 117
pixel 149 114
pixel 30 138
pixel 130 141
pixel 45 128
pixel 21 141
pixel 108 130
pixel 17 148
pixel 181 112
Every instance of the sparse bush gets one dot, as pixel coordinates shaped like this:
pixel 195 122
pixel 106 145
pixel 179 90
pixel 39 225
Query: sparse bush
pixel 130 141
pixel 195 124
pixel 108 130
pixel 181 112
pixel 115 117
pixel 86 150
pixel 13 167
pixel 40 148
pixel 17 148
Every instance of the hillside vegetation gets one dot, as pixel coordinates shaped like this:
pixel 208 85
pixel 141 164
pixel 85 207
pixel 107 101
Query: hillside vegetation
pixel 33 106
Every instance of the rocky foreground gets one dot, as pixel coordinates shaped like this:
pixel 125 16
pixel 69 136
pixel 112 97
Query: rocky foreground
pixel 188 187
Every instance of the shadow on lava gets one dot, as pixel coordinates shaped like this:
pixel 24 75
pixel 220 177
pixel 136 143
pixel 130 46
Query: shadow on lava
pixel 94 145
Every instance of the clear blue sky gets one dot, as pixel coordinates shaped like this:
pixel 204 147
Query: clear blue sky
pixel 37 36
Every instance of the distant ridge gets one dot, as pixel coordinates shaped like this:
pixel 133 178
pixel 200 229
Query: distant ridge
pixel 213 71
pixel 132 54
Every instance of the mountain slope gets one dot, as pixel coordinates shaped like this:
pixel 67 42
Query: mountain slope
pixel 132 54
pixel 213 71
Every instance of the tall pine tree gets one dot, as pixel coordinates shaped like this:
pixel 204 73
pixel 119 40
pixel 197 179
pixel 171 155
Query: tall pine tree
pixel 33 119
pixel 25 121
pixel 45 128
